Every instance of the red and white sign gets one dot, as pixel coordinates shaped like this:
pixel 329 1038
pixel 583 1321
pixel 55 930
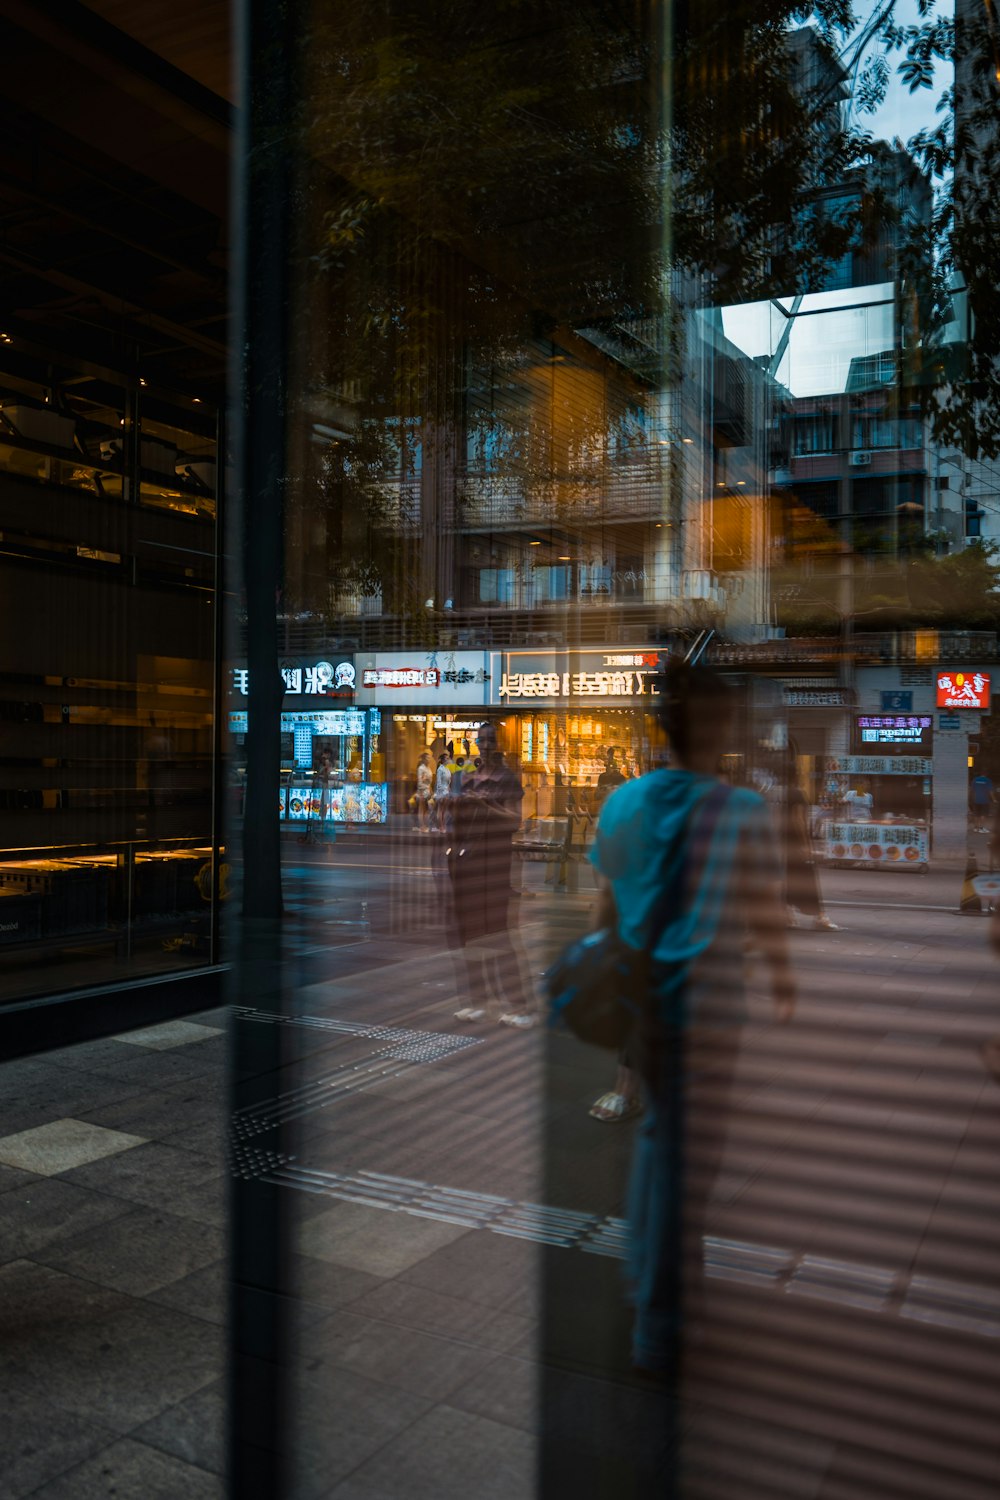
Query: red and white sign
pixel 400 677
pixel 963 690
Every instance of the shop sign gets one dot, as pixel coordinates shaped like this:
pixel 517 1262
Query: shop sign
pixel 949 721
pixel 437 678
pixel 337 721
pixel 895 729
pixel 321 679
pixel 817 697
pixel 900 845
pixel 574 676
pixel 401 677
pixel 881 765
pixel 963 690
pixel 897 702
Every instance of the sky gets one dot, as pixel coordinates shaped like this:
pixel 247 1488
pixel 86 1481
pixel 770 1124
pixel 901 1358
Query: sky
pixel 903 113
pixel 835 327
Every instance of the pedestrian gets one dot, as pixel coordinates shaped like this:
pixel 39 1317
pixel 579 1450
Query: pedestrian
pixel 609 778
pixel 802 890
pixel 485 817
pixel 420 801
pixel 442 786
pixel 682 827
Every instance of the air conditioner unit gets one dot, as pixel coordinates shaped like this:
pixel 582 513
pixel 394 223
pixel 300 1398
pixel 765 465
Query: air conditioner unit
pixel 861 460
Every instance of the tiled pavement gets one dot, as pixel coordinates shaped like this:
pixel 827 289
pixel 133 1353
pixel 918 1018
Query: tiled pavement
pixel 852 1346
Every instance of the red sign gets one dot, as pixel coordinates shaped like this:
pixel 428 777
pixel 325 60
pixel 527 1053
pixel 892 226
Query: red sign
pixel 400 677
pixel 963 690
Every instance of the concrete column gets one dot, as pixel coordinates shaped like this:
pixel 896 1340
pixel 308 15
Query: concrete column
pixel 951 797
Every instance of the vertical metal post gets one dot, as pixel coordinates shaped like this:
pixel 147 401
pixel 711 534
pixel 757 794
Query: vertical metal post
pixel 219 768
pixel 267 43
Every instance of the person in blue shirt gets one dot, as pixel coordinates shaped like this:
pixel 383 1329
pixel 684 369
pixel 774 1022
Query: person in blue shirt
pixel 687 1052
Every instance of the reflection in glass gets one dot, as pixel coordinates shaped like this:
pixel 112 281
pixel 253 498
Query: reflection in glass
pixel 617 338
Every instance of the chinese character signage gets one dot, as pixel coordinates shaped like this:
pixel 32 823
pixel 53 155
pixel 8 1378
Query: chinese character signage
pixel 901 846
pixel 880 765
pixel 912 731
pixel 337 721
pixel 963 690
pixel 423 679
pixel 401 677
pixel 320 679
pixel 817 697
pixel 554 677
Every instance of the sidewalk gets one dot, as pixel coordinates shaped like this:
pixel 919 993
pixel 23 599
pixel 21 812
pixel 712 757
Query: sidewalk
pixel 457 1217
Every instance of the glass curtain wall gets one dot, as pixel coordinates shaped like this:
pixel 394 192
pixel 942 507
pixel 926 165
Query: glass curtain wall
pixel 609 371
pixel 112 864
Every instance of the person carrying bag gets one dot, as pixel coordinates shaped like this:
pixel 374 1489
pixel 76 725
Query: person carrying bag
pixel 687 869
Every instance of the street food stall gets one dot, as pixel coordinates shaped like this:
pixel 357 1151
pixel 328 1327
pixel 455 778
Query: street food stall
pixel 877 809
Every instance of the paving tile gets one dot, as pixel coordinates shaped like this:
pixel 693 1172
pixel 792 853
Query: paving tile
pixel 47 1211
pixel 339 1420
pixel 447 1455
pixel 144 1068
pixel 204 1137
pixel 128 1468
pixel 506 1390
pixel 147 1250
pixel 405 1358
pixel 33 1092
pixel 328 1285
pixel 203 1294
pixel 95 1353
pixel 62 1145
pixel 376 1240
pixel 169 1034
pixel 193 1430
pixel 38 1441
pixel 157 1174
pixel 483 1267
pixel 160 1112
pixel 435 1312
pixel 12 1177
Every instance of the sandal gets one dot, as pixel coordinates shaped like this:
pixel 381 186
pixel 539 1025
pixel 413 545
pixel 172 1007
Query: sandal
pixel 613 1108
pixel 521 1020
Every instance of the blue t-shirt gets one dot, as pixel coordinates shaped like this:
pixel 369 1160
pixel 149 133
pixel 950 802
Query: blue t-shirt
pixel 650 827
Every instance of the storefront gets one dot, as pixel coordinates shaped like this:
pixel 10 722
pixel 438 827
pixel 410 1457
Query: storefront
pixel 332 761
pixel 427 701
pixel 564 716
pixel 879 808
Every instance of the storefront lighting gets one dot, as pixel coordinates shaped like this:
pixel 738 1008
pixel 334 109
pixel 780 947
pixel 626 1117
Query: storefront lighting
pixel 687 440
pixel 534 544
pixel 564 558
